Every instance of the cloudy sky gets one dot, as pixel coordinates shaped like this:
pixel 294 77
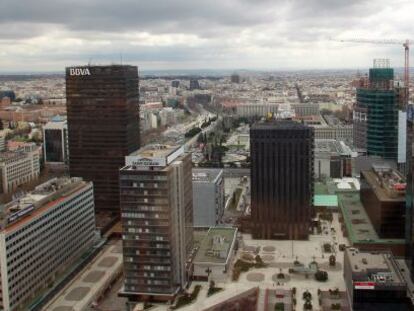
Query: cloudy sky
pixel 47 35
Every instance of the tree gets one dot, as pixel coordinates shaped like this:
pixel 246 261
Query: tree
pixel 332 260
pixel 321 276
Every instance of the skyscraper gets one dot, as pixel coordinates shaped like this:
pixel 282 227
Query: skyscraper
pixel 103 126
pixel 281 179
pixel 376 113
pixel 157 222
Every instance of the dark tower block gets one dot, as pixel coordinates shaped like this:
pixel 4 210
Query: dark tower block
pixel 281 179
pixel 103 127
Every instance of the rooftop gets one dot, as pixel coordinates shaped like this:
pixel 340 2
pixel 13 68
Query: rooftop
pixel 378 267
pixel 280 124
pixel 388 184
pixel 47 193
pixel 216 245
pixel 206 175
pixel 331 146
pixel 357 221
pixel 154 155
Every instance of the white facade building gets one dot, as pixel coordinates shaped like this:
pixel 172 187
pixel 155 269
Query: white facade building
pixel 208 197
pixel 41 235
pixel 19 167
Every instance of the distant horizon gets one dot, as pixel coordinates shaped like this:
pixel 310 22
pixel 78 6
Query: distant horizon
pixel 202 71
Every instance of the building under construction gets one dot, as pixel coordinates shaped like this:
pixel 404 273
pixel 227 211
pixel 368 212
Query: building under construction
pixel 377 113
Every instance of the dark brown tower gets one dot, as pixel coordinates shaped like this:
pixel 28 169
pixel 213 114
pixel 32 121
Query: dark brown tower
pixel 103 127
pixel 281 179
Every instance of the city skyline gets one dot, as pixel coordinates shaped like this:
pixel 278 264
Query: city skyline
pixel 270 35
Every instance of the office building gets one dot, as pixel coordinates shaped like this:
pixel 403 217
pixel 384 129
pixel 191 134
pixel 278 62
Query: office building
pixel 235 78
pixel 376 112
pixel 281 179
pixel 333 159
pixel 383 196
pixel 409 208
pixel 208 197
pixel 41 235
pixel 194 85
pixel 373 281
pixel 175 83
pixel 55 142
pixel 157 222
pixel 103 127
pixel 19 167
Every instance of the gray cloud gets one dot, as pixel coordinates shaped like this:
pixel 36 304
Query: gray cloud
pixel 240 33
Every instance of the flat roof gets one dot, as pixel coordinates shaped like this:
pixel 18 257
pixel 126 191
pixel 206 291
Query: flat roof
pixel 380 191
pixel 155 150
pixel 325 200
pixel 44 196
pixel 357 221
pixel 373 266
pixel 206 175
pixel 280 124
pixel 216 245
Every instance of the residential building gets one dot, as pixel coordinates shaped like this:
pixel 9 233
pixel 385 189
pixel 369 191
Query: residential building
pixel 19 167
pixel 256 109
pixel 157 222
pixel 281 179
pixel 41 235
pixel 208 197
pixel 103 127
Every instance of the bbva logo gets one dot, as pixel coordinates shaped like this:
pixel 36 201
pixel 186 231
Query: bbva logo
pixel 79 72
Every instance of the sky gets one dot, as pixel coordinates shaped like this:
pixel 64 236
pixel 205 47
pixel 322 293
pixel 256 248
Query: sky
pixel 49 35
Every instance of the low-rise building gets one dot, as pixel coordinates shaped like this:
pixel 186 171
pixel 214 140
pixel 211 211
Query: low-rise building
pixel 373 280
pixel 19 167
pixel 383 196
pixel 41 235
pixel 256 109
pixel 215 254
pixel 208 197
pixel 332 159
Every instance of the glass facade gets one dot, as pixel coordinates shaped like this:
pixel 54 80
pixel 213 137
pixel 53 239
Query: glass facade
pixel 103 126
pixel 281 179
pixel 379 102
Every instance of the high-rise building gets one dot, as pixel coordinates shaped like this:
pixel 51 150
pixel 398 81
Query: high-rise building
pixel 235 78
pixel 42 235
pixel 281 179
pixel 55 142
pixel 208 197
pixel 194 85
pixel 103 127
pixel 175 83
pixel 409 199
pixel 157 222
pixel 376 113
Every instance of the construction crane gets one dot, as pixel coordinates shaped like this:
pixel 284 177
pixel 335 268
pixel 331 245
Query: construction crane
pixel 405 44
